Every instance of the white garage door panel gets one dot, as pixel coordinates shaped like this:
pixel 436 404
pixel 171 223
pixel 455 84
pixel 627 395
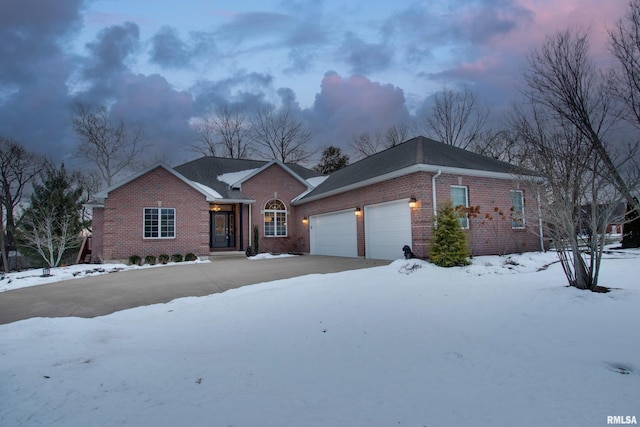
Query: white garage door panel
pixel 387 229
pixel 334 234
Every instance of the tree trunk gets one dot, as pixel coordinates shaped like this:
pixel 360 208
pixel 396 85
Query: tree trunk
pixel 3 245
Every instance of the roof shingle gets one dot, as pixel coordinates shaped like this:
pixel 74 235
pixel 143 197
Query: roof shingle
pixel 414 152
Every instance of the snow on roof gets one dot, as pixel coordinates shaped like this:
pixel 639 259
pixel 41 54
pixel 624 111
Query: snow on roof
pixel 233 177
pixel 317 180
pixel 210 191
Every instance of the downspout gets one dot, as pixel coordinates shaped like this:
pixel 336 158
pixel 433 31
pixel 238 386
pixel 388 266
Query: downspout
pixel 249 222
pixel 541 232
pixel 433 193
pixel 241 219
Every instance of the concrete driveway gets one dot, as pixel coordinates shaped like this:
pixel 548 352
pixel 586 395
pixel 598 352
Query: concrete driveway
pixel 105 294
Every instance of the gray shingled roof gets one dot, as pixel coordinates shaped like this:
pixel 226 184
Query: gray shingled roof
pixel 206 170
pixel 414 152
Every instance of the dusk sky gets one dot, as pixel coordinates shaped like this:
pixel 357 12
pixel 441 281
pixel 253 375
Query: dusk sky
pixel 347 66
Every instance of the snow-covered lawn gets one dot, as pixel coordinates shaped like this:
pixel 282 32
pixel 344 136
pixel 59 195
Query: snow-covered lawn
pixel 410 344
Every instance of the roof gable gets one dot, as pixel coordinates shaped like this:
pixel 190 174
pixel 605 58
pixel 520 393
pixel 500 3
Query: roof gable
pixel 226 175
pixel 417 154
pixel 209 193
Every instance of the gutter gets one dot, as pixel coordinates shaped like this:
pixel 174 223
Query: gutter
pixel 421 167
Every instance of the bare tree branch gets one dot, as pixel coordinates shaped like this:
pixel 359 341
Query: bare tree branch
pixel 49 234
pixel 457 118
pixel 367 144
pixel 578 200
pixel 225 129
pixel 625 46
pixel 110 146
pixel 562 77
pixel 279 135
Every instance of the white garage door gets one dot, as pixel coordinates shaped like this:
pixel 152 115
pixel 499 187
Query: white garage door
pixel 387 228
pixel 334 234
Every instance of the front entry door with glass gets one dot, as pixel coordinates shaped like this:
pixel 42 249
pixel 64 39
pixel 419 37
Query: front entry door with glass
pixel 222 230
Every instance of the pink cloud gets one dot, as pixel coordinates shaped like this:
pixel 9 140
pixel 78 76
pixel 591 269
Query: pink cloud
pixel 348 106
pixel 551 16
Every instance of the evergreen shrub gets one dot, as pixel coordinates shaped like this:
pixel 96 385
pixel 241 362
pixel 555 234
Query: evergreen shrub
pixel 135 260
pixel 449 246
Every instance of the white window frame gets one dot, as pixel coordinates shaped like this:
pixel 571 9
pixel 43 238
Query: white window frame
pixel 517 221
pixel 157 231
pixel 463 220
pixel 278 217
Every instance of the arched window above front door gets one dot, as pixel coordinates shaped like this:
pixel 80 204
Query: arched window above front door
pixel 275 219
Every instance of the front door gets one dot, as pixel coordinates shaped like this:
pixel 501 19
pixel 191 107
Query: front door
pixel 222 230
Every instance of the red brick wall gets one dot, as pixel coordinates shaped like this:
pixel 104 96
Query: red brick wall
pixel 261 188
pixel 97 228
pixel 491 237
pixel 123 218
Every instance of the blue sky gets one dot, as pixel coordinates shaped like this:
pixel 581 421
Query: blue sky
pixel 347 66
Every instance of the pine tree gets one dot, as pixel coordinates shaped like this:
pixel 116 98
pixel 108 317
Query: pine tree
pixel 448 246
pixel 631 236
pixel 49 229
pixel 332 160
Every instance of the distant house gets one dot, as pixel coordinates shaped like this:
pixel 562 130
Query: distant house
pixel 371 208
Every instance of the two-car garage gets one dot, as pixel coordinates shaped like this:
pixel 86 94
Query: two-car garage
pixel 387 228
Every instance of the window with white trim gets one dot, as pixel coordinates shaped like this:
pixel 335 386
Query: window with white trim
pixel 275 219
pixel 517 209
pixel 460 202
pixel 159 223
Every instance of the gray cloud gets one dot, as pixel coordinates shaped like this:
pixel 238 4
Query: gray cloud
pixel 490 18
pixel 243 90
pixel 163 113
pixel 109 54
pixel 349 106
pixel 170 51
pixel 461 26
pixel 34 70
pixel 256 26
pixel 363 57
pixel 41 76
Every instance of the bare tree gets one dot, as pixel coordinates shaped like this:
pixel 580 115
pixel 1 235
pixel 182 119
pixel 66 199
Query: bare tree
pixel 579 200
pixel 625 46
pixel 502 145
pixel 396 135
pixel 111 147
pixel 457 117
pixel 50 226
pixel 49 234
pixel 91 183
pixel 18 167
pixel 278 134
pixel 367 144
pixel 562 78
pixel 227 130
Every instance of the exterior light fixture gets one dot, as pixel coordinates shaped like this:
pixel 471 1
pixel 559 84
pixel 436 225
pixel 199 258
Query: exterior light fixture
pixel 413 202
pixel 305 220
pixel 358 211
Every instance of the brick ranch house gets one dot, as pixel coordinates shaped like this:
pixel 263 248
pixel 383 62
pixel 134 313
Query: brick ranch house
pixel 371 208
